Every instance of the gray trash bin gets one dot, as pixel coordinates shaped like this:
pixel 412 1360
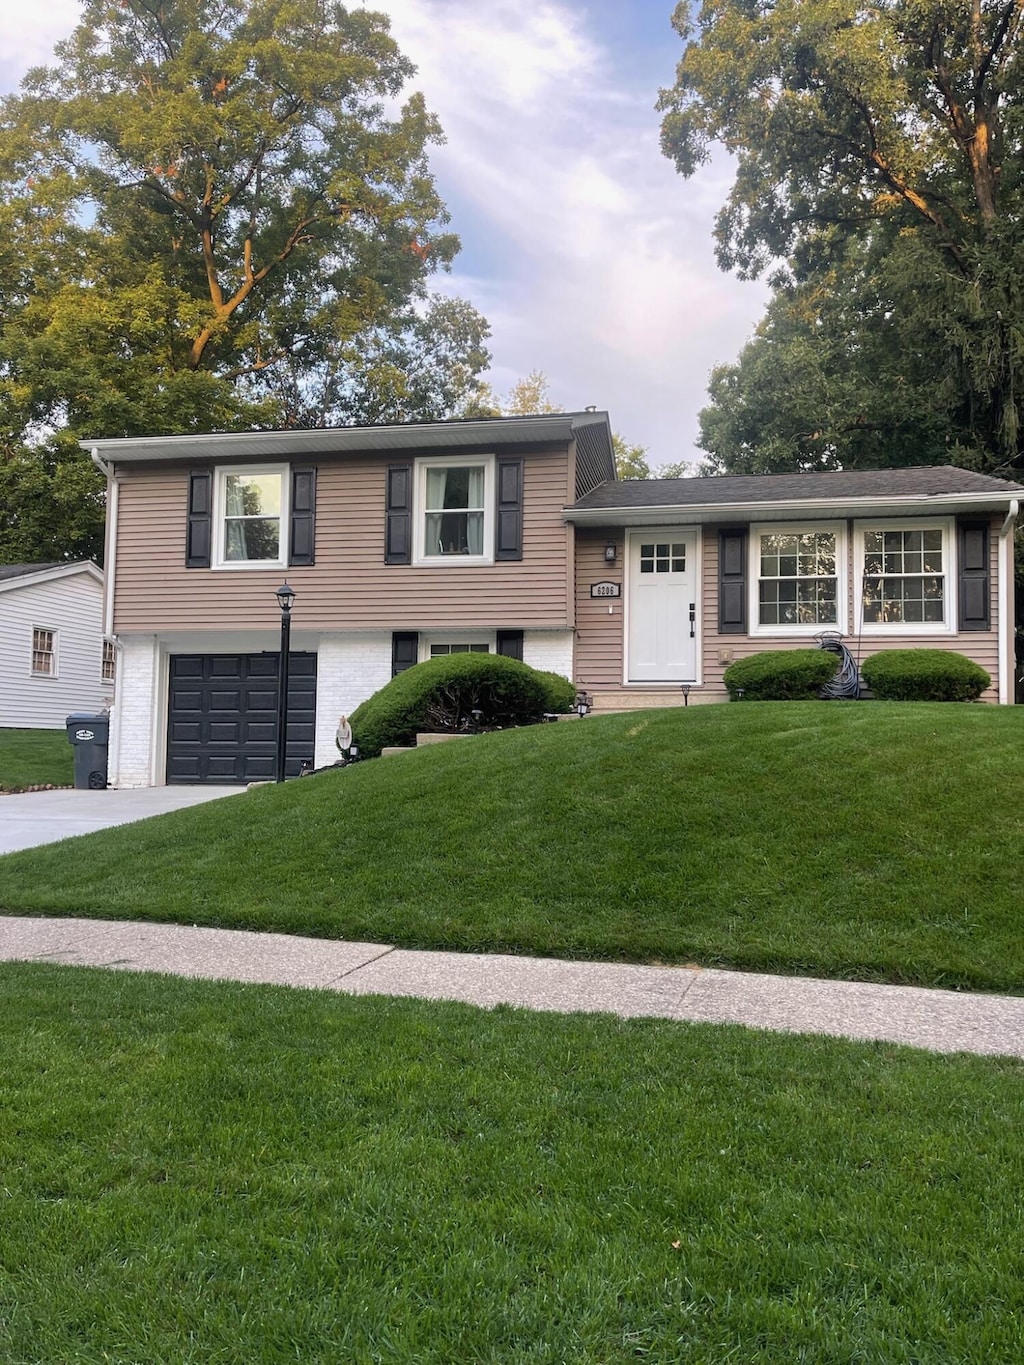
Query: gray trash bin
pixel 89 735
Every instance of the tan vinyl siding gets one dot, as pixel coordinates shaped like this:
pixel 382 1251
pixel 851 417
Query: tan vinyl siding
pixel 600 643
pixel 349 587
pixel 598 631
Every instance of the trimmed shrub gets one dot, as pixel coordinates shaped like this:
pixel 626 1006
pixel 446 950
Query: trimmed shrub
pixel 781 675
pixel 924 675
pixel 440 696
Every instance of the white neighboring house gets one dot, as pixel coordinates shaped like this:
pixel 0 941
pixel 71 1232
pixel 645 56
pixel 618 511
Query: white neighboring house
pixel 53 658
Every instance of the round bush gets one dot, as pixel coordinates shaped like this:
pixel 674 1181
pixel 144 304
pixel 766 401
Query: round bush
pixel 781 675
pixel 440 696
pixel 924 675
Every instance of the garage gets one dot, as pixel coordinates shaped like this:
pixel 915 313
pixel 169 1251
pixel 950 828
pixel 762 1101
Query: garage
pixel 222 717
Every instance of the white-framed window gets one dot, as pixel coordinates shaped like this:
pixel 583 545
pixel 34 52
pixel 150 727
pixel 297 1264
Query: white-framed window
pixel 799 579
pixel 108 667
pixel 454 510
pixel 251 517
pixel 456 642
pixel 904 576
pixel 44 652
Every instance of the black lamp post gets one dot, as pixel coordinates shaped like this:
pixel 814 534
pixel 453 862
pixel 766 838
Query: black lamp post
pixel 285 597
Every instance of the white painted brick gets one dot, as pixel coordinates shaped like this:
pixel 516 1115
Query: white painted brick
pixel 350 668
pixel 550 650
pixel 133 716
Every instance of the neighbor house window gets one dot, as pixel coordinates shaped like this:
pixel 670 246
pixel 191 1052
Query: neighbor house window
pixel 44 652
pixel 108 668
pixel 905 573
pixel 251 517
pixel 455 520
pixel 799 577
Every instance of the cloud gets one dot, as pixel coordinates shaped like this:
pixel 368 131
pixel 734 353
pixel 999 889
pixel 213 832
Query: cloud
pixel 591 257
pixel 28 34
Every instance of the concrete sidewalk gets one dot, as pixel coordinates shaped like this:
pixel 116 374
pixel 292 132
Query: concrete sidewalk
pixel 943 1021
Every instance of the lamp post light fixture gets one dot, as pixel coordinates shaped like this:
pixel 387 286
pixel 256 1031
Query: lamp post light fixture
pixel 285 597
pixel 583 704
pixel 685 689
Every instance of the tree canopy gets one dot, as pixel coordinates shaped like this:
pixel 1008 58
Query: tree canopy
pixel 219 214
pixel 879 172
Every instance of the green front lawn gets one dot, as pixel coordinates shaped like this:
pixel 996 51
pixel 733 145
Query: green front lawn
pixel 867 840
pixel 206 1173
pixel 35 758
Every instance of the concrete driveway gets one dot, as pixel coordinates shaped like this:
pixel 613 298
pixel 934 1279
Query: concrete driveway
pixel 28 819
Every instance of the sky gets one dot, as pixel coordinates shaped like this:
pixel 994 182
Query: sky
pixel 591 258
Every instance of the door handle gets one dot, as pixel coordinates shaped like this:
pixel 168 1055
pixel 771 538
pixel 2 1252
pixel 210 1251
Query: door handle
pixel 693 618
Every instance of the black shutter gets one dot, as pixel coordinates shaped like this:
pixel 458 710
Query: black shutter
pixel 509 536
pixel 405 646
pixel 303 516
pixel 510 643
pixel 199 538
pixel 732 582
pixel 974 575
pixel 398 533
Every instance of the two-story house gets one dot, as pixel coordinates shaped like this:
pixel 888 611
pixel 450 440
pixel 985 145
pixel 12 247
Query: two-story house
pixel 507 534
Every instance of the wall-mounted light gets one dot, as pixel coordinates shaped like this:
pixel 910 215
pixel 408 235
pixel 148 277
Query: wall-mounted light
pixel 609 552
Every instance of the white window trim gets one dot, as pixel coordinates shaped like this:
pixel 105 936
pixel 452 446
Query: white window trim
pixel 948 626
pixel 455 637
pixel 419 554
pixel 219 517
pixel 810 630
pixel 55 671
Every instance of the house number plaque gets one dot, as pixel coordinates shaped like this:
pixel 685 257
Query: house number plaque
pixel 606 589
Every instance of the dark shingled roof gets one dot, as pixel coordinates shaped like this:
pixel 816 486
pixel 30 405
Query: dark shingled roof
pixel 20 570
pixel 838 486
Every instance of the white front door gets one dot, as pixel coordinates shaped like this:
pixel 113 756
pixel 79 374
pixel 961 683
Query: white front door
pixel 663 606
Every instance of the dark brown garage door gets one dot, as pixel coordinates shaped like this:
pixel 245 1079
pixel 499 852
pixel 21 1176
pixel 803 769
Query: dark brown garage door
pixel 222 717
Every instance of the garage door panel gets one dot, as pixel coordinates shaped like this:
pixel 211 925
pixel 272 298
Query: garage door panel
pixel 219 733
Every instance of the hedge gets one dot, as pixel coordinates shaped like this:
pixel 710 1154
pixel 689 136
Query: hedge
pixel 924 675
pixel 781 675
pixel 439 696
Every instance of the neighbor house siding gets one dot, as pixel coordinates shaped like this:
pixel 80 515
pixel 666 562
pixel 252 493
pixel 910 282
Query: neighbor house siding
pixel 72 607
pixel 350 587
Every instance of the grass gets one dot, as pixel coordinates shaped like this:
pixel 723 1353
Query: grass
pixel 876 841
pixel 209 1173
pixel 30 758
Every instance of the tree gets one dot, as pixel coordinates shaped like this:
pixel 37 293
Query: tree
pixel 879 161
pixel 215 216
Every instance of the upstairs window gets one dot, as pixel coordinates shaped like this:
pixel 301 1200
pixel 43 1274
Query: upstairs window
pixel 44 652
pixel 251 517
pixel 108 668
pixel 455 519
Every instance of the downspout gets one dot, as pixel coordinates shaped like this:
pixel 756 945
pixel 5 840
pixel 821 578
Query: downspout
pixel 109 566
pixel 1007 653
pixel 110 555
